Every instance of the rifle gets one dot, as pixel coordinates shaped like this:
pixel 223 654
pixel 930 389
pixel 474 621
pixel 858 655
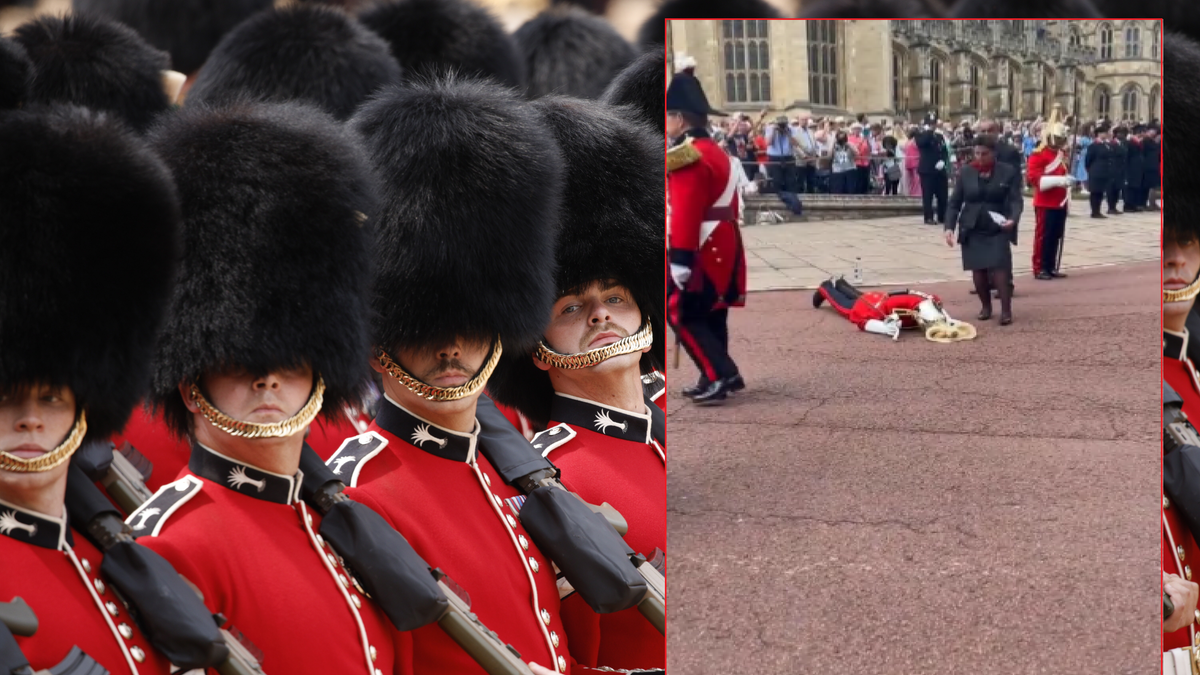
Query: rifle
pixel 395 576
pixel 16 618
pixel 589 552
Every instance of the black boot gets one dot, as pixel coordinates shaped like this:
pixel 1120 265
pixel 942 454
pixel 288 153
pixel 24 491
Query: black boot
pixel 714 394
pixel 818 299
pixel 696 388
pixel 735 383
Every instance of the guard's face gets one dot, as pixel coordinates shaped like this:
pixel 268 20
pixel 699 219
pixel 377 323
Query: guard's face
pixel 675 125
pixel 1181 262
pixel 265 399
pixel 595 317
pixel 33 421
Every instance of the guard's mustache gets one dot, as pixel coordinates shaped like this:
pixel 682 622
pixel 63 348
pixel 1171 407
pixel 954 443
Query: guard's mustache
pixel 603 328
pixel 448 365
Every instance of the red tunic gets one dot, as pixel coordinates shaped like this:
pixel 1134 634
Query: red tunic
pixel 609 455
pixel 57 572
pixel 459 515
pixel 879 305
pixel 1181 375
pixel 1047 162
pixel 244 539
pixel 702 232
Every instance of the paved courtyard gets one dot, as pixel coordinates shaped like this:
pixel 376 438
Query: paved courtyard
pixel 904 251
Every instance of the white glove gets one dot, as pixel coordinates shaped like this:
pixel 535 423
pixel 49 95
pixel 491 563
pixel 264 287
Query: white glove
pixel 889 327
pixel 1048 182
pixel 680 274
pixel 940 165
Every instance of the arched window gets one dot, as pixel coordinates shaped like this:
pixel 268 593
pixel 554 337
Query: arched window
pixel 1077 89
pixel 1129 103
pixel 973 94
pixel 1154 38
pixel 1047 90
pixel 1014 92
pixel 1154 102
pixel 1076 40
pixel 937 82
pixel 899 84
pixel 824 59
pixel 1133 42
pixel 747 60
pixel 1103 102
pixel 1106 41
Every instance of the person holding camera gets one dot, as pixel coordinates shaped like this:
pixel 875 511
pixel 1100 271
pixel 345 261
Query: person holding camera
pixel 781 163
pixel 931 168
pixel 844 177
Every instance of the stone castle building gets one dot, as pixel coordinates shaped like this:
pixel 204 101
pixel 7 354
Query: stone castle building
pixel 960 69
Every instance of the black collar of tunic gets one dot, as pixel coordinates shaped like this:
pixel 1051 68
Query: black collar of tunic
pixel 1175 345
pixel 425 435
pixel 244 478
pixel 34 528
pixel 602 419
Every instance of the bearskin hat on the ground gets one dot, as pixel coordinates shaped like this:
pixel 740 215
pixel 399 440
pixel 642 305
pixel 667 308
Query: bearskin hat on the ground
pixel 96 63
pixel 1181 105
pixel 275 267
pixel 654 33
pixel 431 37
pixel 88 244
pixel 1029 9
pixel 16 72
pixel 305 53
pixel 571 52
pixel 467 224
pixel 641 87
pixel 187 29
pixel 871 9
pixel 611 229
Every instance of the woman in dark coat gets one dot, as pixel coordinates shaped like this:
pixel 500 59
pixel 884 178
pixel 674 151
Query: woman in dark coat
pixel 985 187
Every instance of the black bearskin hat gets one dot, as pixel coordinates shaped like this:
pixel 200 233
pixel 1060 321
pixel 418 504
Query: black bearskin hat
pixel 305 53
pixel 430 37
pixel 640 86
pixel 611 229
pixel 16 72
pixel 95 63
pixel 569 51
pixel 653 32
pixel 1181 104
pixel 467 224
pixel 276 264
pixel 187 29
pixel 870 9
pixel 88 245
pixel 1028 9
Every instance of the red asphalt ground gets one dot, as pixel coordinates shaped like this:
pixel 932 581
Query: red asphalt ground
pixel 890 508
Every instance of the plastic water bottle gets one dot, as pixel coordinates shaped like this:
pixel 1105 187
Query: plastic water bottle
pixel 858 275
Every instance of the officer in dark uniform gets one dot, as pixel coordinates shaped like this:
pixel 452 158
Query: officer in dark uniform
pixel 1135 169
pixel 931 167
pixel 1151 169
pixel 1118 151
pixel 1099 172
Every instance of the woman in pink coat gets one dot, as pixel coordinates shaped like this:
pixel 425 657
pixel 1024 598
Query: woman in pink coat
pixel 911 157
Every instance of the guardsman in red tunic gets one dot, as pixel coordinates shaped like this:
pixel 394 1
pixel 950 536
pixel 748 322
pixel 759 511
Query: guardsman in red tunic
pixel 462 279
pixel 585 378
pixel 707 263
pixel 1180 554
pixel 87 244
pixel 265 332
pixel 889 312
pixel 1048 173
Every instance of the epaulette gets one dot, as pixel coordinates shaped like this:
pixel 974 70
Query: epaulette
pixel 149 518
pixel 354 454
pixel 684 154
pixel 653 385
pixel 552 438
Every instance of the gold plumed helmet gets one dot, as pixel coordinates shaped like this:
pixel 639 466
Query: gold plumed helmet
pixel 938 325
pixel 1054 127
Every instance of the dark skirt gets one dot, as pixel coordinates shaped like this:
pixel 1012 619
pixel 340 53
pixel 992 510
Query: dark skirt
pixel 987 250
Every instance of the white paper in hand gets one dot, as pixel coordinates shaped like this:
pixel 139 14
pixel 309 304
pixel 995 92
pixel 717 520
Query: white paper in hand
pixel 940 165
pixel 997 218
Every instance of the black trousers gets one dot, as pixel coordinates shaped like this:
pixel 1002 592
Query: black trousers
pixel 1054 224
pixel 1114 191
pixel 839 295
pixel 1096 198
pixel 934 184
pixel 1135 197
pixel 703 331
pixel 864 179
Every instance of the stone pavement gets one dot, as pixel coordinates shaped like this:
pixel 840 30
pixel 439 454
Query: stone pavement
pixel 904 251
pixel 910 508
